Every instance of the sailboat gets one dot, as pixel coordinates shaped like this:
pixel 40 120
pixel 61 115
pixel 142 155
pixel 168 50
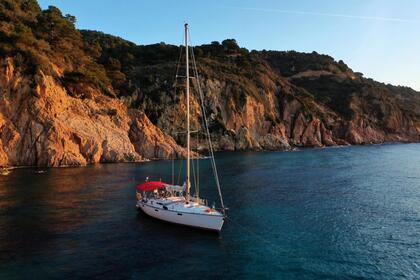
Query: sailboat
pixel 175 203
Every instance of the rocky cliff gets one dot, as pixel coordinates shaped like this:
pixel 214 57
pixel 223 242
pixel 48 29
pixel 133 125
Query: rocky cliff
pixel 42 125
pixel 70 97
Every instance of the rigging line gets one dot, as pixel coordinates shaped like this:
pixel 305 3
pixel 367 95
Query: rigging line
pixel 179 174
pixel 195 169
pixel 194 175
pixel 208 138
pixel 173 167
pixel 177 67
pixel 174 84
pixel 213 163
pixel 175 81
pixel 197 183
pixel 198 168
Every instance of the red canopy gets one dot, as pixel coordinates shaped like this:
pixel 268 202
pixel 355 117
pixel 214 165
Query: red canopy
pixel 150 186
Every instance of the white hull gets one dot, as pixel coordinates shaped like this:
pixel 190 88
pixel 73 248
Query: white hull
pixel 213 222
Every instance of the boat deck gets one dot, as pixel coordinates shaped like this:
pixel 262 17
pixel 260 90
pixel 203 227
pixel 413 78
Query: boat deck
pixel 179 204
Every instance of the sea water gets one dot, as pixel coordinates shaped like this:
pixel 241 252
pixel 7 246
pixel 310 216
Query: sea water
pixel 334 213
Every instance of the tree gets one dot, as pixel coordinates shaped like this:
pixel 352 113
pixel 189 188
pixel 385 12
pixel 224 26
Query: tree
pixel 70 18
pixel 230 45
pixel 54 27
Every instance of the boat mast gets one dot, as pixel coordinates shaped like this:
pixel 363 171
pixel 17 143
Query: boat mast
pixel 187 85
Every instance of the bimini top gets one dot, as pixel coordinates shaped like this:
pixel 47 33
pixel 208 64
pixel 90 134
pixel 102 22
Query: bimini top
pixel 150 186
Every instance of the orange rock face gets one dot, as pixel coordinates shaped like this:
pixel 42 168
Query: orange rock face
pixel 42 125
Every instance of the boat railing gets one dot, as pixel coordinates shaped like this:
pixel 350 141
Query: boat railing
pixel 199 200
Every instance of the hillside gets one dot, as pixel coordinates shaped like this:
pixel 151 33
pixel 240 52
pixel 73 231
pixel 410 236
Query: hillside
pixel 71 97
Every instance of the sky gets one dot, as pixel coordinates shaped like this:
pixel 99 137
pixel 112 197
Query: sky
pixel 380 38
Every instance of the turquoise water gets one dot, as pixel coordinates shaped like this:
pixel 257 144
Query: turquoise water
pixel 336 213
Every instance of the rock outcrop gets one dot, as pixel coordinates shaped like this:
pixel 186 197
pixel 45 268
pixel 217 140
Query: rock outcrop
pixel 42 125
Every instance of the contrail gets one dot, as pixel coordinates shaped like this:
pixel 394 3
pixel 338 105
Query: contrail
pixel 392 19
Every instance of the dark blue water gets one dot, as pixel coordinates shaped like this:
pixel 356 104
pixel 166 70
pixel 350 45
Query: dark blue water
pixel 339 213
